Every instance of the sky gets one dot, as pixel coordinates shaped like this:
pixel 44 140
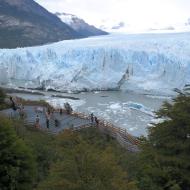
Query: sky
pixel 138 14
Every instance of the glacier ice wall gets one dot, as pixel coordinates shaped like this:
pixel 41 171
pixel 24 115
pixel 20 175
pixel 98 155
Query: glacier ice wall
pixel 146 62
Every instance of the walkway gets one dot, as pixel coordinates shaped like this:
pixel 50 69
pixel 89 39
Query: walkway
pixel 65 121
pixel 75 121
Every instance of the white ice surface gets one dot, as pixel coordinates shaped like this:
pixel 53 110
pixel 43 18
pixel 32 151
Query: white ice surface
pixel 155 63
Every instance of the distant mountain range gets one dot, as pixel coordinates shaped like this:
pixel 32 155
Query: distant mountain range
pixel 26 23
pixel 79 25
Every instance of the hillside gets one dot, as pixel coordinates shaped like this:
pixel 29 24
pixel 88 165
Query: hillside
pixel 26 23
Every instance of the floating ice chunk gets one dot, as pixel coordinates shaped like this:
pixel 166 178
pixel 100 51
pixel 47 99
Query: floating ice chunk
pixel 115 106
pixel 140 107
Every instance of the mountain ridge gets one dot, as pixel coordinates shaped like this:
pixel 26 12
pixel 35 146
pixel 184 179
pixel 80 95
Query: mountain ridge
pixel 26 23
pixel 79 25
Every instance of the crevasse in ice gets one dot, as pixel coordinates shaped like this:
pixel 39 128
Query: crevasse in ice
pixel 145 62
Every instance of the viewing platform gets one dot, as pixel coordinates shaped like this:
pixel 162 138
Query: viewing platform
pixel 74 121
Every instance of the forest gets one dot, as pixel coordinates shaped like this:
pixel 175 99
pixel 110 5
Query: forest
pixel 89 160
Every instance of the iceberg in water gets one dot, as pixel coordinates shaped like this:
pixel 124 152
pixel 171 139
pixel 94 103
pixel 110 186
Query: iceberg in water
pixel 141 107
pixel 155 63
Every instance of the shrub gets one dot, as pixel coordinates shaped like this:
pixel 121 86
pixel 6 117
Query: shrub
pixel 2 96
pixel 17 169
pixel 86 164
pixel 166 154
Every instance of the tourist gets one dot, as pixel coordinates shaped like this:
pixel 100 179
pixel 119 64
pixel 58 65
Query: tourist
pixel 61 111
pixel 96 121
pixel 48 117
pixel 56 122
pixel 92 118
pixel 37 123
pixel 13 106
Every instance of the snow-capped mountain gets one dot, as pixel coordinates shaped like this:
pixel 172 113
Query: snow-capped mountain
pixel 147 63
pixel 79 25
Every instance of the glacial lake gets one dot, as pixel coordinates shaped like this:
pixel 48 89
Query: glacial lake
pixel 124 109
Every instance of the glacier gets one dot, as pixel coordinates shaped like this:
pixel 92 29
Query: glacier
pixel 145 63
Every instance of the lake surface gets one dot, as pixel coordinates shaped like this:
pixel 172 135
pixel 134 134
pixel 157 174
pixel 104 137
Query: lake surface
pixel 125 109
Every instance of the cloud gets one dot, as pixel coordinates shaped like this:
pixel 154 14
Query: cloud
pixel 140 13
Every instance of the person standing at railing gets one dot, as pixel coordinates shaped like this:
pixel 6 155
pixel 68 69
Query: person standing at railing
pixel 37 123
pixel 92 118
pixel 48 117
pixel 13 106
pixel 96 121
pixel 61 111
pixel 56 121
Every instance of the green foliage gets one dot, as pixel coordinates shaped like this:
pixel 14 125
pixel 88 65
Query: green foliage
pixel 83 160
pixel 89 160
pixel 42 146
pixel 164 161
pixel 2 96
pixel 3 105
pixel 86 163
pixel 17 169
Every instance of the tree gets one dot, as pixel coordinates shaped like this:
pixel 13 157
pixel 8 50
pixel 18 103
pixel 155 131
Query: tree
pixel 17 166
pixel 164 161
pixel 2 96
pixel 85 166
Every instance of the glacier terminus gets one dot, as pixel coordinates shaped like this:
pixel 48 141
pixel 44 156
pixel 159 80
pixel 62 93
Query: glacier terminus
pixel 148 63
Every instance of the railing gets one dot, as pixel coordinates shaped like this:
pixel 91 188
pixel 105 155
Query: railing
pixel 105 124
pixel 128 141
pixel 121 135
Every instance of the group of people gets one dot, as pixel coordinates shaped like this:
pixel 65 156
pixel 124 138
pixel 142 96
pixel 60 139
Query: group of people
pixel 49 114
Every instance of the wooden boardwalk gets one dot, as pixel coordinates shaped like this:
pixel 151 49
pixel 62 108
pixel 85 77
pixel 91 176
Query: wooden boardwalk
pixel 126 140
pixel 65 121
pixel 75 121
